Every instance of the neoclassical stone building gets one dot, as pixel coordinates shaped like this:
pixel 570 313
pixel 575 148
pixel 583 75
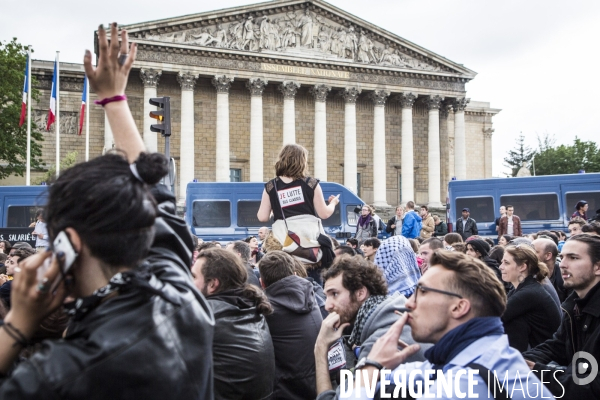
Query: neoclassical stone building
pixel 385 117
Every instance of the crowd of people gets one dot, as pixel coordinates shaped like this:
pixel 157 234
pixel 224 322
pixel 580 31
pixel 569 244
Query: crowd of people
pixel 132 305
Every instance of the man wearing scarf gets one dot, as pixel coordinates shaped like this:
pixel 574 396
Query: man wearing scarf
pixel 457 307
pixel 357 294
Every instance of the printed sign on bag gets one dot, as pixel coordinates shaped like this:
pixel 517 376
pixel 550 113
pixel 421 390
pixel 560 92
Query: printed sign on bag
pixel 291 197
pixel 336 356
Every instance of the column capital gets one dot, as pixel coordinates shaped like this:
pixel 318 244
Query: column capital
pixel 187 80
pixel 320 92
pixel 150 77
pixel 407 100
pixel 460 104
pixel 379 97
pixel 488 132
pixel 350 94
pixel 434 102
pixel 222 83
pixel 289 89
pixel 446 108
pixel 256 86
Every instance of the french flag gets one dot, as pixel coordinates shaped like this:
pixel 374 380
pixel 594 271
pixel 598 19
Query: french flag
pixel 24 104
pixel 52 110
pixel 83 100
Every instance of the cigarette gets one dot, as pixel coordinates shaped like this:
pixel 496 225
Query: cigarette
pixel 400 311
pixel 402 343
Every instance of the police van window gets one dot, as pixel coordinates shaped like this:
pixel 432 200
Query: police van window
pixel 533 207
pixel 351 215
pixel 211 214
pixel 20 216
pixel 246 214
pixel 593 199
pixel 335 219
pixel 481 208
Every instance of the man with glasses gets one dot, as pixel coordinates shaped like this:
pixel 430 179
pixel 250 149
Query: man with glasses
pixel 457 306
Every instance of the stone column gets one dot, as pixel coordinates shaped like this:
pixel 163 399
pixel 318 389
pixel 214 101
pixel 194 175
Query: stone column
pixel 487 151
pixel 150 79
pixel 379 168
pixel 256 87
pixel 187 81
pixel 460 143
pixel 433 155
pixel 108 136
pixel 222 84
pixel 449 109
pixel 289 89
pixel 320 93
pixel 350 95
pixel 407 163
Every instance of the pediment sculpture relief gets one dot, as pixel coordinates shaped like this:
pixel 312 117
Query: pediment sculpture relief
pixel 301 33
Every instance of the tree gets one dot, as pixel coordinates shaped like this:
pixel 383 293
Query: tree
pixel 566 159
pixel 519 155
pixel 66 163
pixel 13 139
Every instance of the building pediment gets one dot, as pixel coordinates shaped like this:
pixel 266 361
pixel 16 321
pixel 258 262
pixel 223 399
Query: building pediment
pixel 293 32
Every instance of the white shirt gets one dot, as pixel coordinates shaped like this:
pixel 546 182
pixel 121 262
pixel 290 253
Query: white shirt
pixel 40 227
pixel 510 227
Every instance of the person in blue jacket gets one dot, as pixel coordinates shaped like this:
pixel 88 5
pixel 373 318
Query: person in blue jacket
pixel 411 226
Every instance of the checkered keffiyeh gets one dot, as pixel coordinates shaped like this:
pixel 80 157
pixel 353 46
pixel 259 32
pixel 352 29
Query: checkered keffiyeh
pixel 398 261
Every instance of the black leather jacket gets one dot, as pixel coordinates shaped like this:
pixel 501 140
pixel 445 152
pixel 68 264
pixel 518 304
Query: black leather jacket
pixel 244 359
pixel 136 345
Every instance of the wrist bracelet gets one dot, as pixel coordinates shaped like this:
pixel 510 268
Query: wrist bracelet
pixel 15 334
pixel 107 100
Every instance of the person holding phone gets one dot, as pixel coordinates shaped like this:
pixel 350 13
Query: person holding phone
pixel 125 256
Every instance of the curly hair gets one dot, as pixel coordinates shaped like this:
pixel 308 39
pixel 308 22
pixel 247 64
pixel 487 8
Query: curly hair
pixel 357 273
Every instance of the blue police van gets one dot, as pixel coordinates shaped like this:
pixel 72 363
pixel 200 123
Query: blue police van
pixel 18 205
pixel 541 202
pixel 226 211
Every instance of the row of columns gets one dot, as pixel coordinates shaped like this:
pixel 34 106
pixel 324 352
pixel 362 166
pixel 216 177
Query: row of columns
pixel 289 89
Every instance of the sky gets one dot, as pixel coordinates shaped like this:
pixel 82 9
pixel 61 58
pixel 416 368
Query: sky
pixel 537 60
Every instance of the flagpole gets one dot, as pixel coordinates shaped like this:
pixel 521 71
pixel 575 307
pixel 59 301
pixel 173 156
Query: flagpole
pixel 57 127
pixel 88 109
pixel 28 167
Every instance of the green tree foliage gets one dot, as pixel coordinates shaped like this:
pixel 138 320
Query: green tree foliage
pixel 65 163
pixel 565 159
pixel 13 139
pixel 518 156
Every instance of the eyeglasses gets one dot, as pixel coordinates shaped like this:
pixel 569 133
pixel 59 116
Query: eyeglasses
pixel 427 289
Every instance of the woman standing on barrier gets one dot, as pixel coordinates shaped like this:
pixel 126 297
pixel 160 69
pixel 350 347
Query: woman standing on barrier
pixel 120 249
pixel 531 316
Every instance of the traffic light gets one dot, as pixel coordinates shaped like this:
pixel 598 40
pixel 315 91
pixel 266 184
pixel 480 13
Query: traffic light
pixel 163 115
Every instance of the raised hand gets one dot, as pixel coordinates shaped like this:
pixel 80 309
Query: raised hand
pixel 109 78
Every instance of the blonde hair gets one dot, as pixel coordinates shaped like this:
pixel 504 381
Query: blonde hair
pixel 292 162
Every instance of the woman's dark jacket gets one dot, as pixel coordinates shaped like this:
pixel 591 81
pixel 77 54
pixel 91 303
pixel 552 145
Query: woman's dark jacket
pixel 243 356
pixel 135 345
pixel 530 317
